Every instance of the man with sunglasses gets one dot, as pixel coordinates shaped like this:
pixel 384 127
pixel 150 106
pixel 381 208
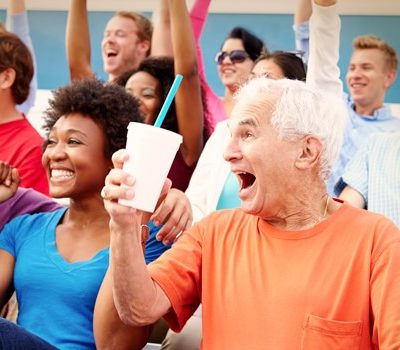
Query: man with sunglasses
pixel 371 72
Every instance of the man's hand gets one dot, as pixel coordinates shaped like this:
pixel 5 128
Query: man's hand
pixel 119 185
pixel 173 208
pixel 9 181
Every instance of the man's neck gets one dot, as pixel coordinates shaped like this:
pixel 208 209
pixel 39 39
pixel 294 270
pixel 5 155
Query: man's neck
pixel 368 110
pixel 301 209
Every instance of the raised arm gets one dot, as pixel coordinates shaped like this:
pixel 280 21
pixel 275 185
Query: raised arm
pixel 188 101
pixel 137 298
pixel 17 23
pixel 198 17
pixel 78 41
pixel 301 28
pixel 323 71
pixel 109 331
pixel 161 44
pixel 303 12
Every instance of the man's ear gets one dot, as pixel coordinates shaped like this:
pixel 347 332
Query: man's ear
pixel 7 78
pixel 310 153
pixel 144 47
pixel 390 78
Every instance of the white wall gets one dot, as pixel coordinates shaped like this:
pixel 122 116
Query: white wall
pixel 356 7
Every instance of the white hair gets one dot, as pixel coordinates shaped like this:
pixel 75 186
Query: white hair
pixel 299 111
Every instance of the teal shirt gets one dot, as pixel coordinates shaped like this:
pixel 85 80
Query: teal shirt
pixel 229 196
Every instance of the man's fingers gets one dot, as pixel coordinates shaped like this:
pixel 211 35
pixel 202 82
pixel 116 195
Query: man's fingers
pixel 119 177
pixel 114 193
pixel 119 157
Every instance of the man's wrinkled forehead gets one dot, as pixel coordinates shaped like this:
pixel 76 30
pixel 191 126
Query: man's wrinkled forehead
pixel 259 106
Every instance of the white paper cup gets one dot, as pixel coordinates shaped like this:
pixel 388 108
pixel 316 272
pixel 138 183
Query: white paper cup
pixel 151 153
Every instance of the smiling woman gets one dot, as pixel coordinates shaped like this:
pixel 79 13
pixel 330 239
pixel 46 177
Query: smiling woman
pixel 86 123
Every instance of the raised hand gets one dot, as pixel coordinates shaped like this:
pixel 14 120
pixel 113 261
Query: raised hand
pixel 9 181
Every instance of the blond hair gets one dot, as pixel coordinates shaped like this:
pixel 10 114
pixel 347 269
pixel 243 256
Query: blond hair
pixel 145 27
pixel 373 42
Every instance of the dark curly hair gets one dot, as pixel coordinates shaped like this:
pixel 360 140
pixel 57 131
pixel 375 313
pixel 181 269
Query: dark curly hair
pixel 291 64
pixel 253 45
pixel 16 55
pixel 162 68
pixel 108 105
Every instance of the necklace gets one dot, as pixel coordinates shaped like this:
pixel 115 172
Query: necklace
pixel 321 218
pixel 326 206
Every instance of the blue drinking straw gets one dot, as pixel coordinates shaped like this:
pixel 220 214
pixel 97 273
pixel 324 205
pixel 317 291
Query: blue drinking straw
pixel 168 100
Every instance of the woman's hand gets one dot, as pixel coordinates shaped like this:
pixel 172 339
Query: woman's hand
pixel 9 181
pixel 175 214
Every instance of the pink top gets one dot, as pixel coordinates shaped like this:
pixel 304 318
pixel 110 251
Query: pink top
pixel 215 106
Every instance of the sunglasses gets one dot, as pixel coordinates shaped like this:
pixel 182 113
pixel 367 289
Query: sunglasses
pixel 236 56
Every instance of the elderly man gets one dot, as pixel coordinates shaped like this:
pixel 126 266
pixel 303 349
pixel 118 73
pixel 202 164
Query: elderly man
pixel 293 268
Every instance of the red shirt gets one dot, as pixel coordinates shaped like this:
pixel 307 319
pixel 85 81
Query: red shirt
pixel 21 147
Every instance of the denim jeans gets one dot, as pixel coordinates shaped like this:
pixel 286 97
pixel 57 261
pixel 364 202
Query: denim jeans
pixel 14 337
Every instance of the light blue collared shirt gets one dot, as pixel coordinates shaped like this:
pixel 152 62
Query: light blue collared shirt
pixel 374 172
pixel 359 128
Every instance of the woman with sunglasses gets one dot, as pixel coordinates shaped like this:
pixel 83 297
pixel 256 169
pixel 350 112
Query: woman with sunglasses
pixel 234 62
pixel 213 186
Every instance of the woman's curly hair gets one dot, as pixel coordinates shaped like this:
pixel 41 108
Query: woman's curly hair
pixel 108 105
pixel 161 68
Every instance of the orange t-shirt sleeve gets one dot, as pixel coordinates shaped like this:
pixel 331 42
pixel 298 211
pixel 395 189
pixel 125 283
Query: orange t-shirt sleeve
pixel 178 273
pixel 385 287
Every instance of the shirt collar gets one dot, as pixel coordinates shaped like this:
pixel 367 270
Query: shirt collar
pixel 383 113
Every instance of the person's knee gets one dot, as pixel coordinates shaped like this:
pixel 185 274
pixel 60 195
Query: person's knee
pixel 14 337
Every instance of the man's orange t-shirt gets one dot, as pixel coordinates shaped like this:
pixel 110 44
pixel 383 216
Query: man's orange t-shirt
pixel 334 286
